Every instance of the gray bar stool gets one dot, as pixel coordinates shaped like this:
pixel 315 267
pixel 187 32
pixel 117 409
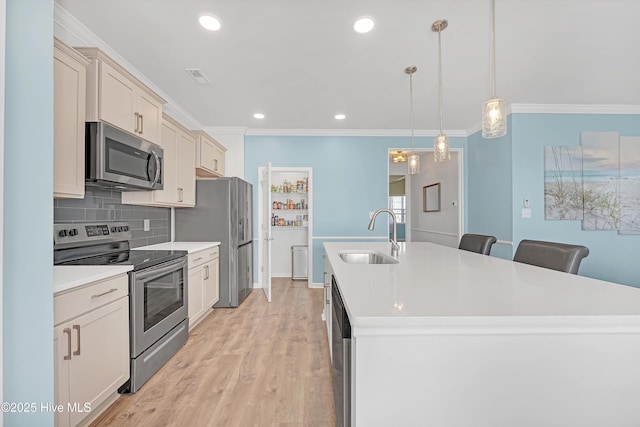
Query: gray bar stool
pixel 555 256
pixel 478 243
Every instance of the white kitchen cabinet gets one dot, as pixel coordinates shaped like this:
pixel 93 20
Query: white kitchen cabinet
pixel 209 155
pixel 179 177
pixel 69 98
pixel 117 97
pixel 204 284
pixel 91 348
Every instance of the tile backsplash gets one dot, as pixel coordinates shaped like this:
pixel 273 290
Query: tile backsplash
pixel 106 205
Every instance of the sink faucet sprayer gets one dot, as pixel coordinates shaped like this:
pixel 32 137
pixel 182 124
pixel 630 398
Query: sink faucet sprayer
pixel 395 248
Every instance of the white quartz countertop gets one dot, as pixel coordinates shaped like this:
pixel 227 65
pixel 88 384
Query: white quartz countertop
pixel 190 247
pixel 66 277
pixel 434 285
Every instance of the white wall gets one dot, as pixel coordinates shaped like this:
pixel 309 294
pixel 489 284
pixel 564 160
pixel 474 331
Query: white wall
pixel 437 227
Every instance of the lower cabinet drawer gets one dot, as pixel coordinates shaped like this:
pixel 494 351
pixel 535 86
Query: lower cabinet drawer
pixel 81 300
pixel 202 257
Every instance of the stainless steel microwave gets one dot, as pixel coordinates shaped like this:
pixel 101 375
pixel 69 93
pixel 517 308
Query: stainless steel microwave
pixel 119 160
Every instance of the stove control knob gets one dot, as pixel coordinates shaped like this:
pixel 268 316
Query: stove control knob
pixel 62 233
pixel 113 229
pixel 73 232
pixel 125 228
pixel 119 228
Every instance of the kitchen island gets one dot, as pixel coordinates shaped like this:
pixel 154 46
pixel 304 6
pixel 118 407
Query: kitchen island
pixel 449 338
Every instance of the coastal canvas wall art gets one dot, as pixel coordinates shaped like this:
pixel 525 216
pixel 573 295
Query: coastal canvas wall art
pixel 629 185
pixel 597 182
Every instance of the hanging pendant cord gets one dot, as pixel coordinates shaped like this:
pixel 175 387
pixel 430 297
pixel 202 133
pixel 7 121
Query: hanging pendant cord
pixel 411 107
pixel 493 51
pixel 440 75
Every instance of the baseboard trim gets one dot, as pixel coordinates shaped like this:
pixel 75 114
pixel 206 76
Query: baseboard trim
pixel 312 285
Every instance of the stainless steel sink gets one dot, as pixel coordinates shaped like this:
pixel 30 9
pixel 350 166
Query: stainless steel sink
pixel 367 258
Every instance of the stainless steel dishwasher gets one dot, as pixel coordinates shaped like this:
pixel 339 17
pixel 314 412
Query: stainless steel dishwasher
pixel 340 357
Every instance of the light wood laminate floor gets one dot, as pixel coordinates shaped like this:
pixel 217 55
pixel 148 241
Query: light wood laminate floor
pixel 261 364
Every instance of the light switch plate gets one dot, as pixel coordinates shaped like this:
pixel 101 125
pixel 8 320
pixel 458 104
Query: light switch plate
pixel 526 213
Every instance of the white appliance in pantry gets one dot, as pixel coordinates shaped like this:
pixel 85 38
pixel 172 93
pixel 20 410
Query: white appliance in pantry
pixel 285 221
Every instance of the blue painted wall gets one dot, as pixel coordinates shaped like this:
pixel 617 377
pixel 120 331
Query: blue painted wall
pixel 350 178
pixel 612 257
pixel 28 210
pixel 489 189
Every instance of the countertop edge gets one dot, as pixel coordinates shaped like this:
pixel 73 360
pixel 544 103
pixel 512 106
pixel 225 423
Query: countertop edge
pixel 66 277
pixel 190 247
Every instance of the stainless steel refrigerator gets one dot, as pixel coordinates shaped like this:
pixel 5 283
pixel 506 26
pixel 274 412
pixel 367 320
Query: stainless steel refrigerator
pixel 223 213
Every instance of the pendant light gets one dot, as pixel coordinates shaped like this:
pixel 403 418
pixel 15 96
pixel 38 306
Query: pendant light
pixel 414 160
pixel 440 142
pixel 495 110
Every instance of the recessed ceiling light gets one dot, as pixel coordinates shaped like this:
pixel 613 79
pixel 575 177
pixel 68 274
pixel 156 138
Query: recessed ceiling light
pixel 209 22
pixel 258 116
pixel 340 116
pixel 363 25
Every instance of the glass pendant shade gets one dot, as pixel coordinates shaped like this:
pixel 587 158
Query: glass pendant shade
pixel 414 164
pixel 441 148
pixel 494 118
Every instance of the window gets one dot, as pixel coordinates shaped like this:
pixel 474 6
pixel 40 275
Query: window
pixel 398 204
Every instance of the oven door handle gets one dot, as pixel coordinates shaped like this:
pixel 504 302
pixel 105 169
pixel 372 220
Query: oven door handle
pixel 166 268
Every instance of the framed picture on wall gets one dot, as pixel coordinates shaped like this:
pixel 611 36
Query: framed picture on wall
pixel 431 198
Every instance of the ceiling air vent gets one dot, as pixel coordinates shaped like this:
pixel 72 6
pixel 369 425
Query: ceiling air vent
pixel 198 76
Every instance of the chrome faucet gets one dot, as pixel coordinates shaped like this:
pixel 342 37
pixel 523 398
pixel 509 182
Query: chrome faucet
pixel 395 248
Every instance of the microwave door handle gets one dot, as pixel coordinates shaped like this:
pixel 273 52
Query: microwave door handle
pixel 157 177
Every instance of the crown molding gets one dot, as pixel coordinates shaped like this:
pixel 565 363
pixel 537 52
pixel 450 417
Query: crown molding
pixel 354 132
pixel 226 130
pixel 73 33
pixel 575 109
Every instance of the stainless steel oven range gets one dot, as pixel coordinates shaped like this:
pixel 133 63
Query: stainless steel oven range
pixel 157 290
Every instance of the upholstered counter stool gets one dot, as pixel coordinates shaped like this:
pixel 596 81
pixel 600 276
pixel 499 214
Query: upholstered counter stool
pixel 552 255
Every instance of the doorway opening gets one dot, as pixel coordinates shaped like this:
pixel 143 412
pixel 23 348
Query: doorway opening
pixel 406 198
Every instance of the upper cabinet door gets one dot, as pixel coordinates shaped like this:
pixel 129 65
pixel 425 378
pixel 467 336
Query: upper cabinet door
pixel 117 99
pixel 116 96
pixel 186 169
pixel 69 96
pixel 209 156
pixel 149 117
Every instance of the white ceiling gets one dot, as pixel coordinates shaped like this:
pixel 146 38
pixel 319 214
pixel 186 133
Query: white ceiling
pixel 300 62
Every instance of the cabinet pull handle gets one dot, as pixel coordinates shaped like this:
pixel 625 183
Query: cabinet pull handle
pixel 77 328
pixel 180 194
pixel 104 293
pixel 68 332
pixel 207 270
pixel 215 165
pixel 141 124
pixel 137 121
pixel 197 259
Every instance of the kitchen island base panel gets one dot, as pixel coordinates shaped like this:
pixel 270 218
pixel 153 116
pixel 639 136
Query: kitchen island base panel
pixel 563 379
